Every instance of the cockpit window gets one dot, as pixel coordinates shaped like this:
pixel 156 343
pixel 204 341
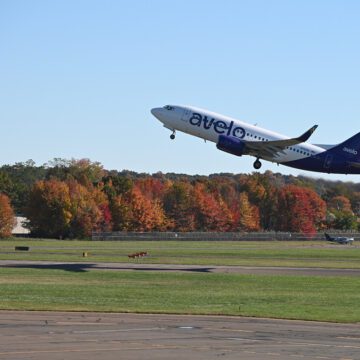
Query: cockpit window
pixel 168 107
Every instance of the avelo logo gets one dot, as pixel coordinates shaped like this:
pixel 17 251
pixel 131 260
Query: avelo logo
pixel 219 126
pixel 350 151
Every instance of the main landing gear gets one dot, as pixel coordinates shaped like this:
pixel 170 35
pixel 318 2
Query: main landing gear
pixel 172 136
pixel 257 164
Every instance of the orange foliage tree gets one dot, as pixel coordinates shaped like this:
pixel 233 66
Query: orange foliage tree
pixel 66 209
pixel 299 210
pixel 89 210
pixel 211 214
pixel 340 203
pixel 134 211
pixel 246 215
pixel 146 214
pixel 7 219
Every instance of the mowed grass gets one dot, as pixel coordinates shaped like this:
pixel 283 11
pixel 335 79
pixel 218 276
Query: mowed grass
pixel 259 253
pixel 333 299
pixel 69 288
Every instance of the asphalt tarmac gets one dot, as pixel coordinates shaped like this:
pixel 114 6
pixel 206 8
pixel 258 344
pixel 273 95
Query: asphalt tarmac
pixel 80 336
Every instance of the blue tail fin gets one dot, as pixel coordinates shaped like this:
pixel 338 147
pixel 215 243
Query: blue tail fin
pixel 328 237
pixel 349 149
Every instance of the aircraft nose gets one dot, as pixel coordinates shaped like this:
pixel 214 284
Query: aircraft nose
pixel 156 112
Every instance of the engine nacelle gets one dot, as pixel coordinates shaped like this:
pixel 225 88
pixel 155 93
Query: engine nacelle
pixel 231 145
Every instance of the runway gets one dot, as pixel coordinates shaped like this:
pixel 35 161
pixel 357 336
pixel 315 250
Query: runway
pixel 80 336
pixel 56 335
pixel 138 266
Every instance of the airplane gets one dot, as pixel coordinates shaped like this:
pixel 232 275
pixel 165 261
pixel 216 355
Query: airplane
pixel 339 239
pixel 239 138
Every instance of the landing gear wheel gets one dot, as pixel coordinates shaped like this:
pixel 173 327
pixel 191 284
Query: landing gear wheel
pixel 172 136
pixel 257 164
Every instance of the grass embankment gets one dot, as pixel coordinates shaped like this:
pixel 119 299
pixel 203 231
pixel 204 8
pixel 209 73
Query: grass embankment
pixel 280 254
pixel 25 287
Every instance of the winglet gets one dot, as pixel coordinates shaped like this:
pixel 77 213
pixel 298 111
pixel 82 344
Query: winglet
pixel 304 137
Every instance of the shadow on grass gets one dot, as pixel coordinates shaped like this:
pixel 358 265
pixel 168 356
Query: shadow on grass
pixel 84 267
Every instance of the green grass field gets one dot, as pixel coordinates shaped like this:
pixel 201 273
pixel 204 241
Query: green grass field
pixel 280 254
pixel 333 299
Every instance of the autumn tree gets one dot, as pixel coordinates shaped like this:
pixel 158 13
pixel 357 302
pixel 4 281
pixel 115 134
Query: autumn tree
pixel 62 209
pixel 246 216
pixel 134 211
pixel 254 188
pixel 210 211
pixel 146 215
pixel 89 210
pixel 340 203
pixel 152 188
pixel 299 210
pixel 7 218
pixel 49 209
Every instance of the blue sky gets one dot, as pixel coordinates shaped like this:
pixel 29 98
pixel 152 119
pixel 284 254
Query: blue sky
pixel 78 78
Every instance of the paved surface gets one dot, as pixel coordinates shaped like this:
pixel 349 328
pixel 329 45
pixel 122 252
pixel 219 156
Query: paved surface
pixel 138 266
pixel 80 336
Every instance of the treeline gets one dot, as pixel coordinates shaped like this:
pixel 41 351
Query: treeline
pixel 72 198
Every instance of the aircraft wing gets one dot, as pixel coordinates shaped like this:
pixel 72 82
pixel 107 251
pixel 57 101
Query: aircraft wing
pixel 271 148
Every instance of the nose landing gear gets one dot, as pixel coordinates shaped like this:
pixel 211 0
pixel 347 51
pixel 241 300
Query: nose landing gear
pixel 172 136
pixel 257 164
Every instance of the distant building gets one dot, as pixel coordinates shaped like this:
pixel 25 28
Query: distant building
pixel 20 229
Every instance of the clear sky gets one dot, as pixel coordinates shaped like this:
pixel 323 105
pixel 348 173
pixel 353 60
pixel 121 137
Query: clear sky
pixel 78 78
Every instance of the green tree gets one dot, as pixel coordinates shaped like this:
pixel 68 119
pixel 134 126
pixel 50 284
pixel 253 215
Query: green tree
pixel 6 185
pixel 22 176
pixel 179 206
pixel 83 171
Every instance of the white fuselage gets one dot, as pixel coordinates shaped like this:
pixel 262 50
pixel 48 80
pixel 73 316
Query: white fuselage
pixel 209 126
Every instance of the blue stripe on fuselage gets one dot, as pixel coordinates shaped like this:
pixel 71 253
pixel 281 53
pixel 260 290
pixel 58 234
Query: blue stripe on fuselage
pixel 324 162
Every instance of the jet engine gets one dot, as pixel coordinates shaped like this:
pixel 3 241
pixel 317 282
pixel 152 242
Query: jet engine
pixel 231 145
